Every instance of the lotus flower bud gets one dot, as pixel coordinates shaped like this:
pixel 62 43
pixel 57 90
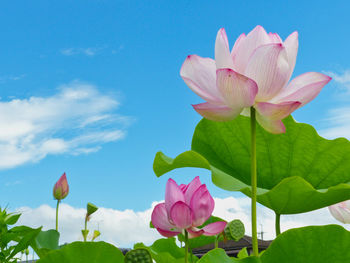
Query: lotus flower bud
pixel 61 188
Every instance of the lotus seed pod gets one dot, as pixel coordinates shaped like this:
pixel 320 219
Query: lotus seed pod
pixel 91 208
pixel 235 230
pixel 139 255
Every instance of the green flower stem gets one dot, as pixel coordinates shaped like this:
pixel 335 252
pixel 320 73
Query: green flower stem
pixel 253 181
pixel 186 246
pixel 85 228
pixel 278 224
pixel 58 204
pixel 217 241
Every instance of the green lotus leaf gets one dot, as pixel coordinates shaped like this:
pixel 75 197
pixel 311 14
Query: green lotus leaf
pixel 292 167
pixel 219 255
pixel 310 244
pixel 45 242
pixel 83 252
pixel 166 250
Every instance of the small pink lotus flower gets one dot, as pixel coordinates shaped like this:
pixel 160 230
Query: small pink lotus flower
pixel 185 208
pixel 341 211
pixel 61 188
pixel 255 73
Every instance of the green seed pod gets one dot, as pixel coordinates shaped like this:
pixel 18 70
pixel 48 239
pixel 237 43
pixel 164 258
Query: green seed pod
pixel 235 230
pixel 91 208
pixel 139 255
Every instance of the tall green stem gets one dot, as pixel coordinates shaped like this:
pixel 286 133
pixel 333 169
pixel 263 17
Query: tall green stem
pixel 58 204
pixel 253 180
pixel 85 228
pixel 186 246
pixel 217 241
pixel 278 224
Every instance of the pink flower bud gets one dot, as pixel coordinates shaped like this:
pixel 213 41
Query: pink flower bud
pixel 61 188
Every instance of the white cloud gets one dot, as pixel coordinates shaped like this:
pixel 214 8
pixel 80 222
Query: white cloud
pixel 338 119
pixel 75 120
pixel 90 51
pixel 341 78
pixel 124 228
pixel 338 123
pixel 121 228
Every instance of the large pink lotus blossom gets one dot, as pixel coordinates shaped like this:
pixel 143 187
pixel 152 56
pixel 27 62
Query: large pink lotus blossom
pixel 61 188
pixel 185 208
pixel 255 73
pixel 341 211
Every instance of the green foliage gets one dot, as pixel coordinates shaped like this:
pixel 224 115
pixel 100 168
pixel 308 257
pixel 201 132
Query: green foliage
pixel 310 244
pixel 243 253
pixel 45 242
pixel 84 252
pixel 16 239
pixel 219 255
pixel 235 230
pixel 292 167
pixel 165 250
pixel 139 255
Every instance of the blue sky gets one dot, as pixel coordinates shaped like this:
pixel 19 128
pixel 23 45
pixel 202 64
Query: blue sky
pixel 125 57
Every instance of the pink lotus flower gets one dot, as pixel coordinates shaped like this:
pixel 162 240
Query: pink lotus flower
pixel 255 73
pixel 61 188
pixel 186 207
pixel 341 211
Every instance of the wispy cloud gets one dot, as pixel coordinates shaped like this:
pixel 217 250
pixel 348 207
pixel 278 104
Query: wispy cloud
pixel 338 119
pixel 90 51
pixel 124 228
pixel 76 120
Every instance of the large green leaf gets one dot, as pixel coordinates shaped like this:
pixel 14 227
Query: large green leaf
pixel 45 242
pixel 310 244
pixel 219 255
pixel 292 167
pixel 165 250
pixel 85 252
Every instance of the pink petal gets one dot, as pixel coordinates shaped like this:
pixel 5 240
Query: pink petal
pixel 191 188
pixel 183 187
pixel 181 215
pixel 303 88
pixel 160 220
pixel 167 233
pixel 215 112
pixel 200 76
pixel 257 37
pixel 214 228
pixel 291 45
pixel 269 67
pixel 275 38
pixel 237 44
pixel 202 205
pixel 340 213
pixel 194 232
pixel 272 126
pixel 237 90
pixel 277 111
pixel 173 194
pixel 223 57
